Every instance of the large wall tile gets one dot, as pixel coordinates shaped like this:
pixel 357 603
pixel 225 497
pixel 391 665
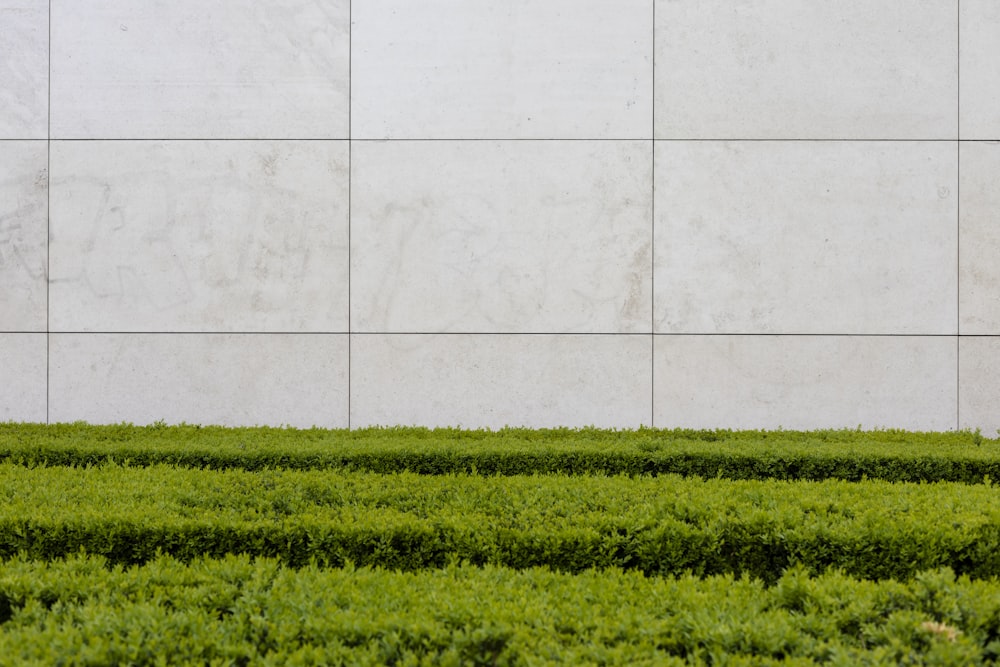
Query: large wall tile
pixel 806 237
pixel 800 69
pixel 805 382
pixel 24 69
pixel 980 56
pixel 238 69
pixel 517 236
pixel 199 236
pixel 228 379
pixel 22 367
pixel 440 69
pixel 979 280
pixel 479 381
pixel 23 234
pixel 979 384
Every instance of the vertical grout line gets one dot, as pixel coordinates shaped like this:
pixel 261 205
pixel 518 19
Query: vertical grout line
pixel 958 286
pixel 48 221
pixel 350 181
pixel 652 238
pixel 958 214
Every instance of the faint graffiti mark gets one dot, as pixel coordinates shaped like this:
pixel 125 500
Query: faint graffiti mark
pixel 190 245
pixel 19 252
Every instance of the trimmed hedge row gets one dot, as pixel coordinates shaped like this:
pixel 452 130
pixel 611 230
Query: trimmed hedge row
pixel 661 525
pixel 850 455
pixel 239 611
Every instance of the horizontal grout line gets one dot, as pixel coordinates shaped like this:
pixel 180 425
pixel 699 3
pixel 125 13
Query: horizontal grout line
pixel 642 333
pixel 677 140
pixel 813 140
pixel 495 139
pixel 496 333
pixel 817 335
pixel 198 333
pixel 368 140
pixel 502 333
pixel 455 139
pixel 339 333
pixel 968 335
pixel 137 139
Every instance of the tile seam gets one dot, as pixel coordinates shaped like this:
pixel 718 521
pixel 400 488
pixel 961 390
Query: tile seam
pixel 48 223
pixel 78 332
pixel 513 139
pixel 958 214
pixel 350 183
pixel 652 234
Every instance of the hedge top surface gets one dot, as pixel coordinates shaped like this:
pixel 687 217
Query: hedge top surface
pixel 659 525
pixel 110 492
pixel 238 610
pixel 958 456
pixel 183 431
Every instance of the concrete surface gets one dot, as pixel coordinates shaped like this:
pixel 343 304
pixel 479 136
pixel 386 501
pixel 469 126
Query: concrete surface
pixel 806 382
pixel 519 69
pixel 491 381
pixel 979 115
pixel 806 237
pixel 172 69
pixel 979 389
pixel 230 379
pixel 513 236
pixel 796 69
pixel 24 71
pixel 24 184
pixel 980 238
pixel 715 213
pixel 171 236
pixel 22 365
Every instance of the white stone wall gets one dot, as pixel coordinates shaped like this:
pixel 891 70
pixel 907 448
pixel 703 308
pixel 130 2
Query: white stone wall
pixel 701 213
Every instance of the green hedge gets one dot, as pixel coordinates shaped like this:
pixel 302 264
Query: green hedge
pixel 659 525
pixel 238 611
pixel 850 455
